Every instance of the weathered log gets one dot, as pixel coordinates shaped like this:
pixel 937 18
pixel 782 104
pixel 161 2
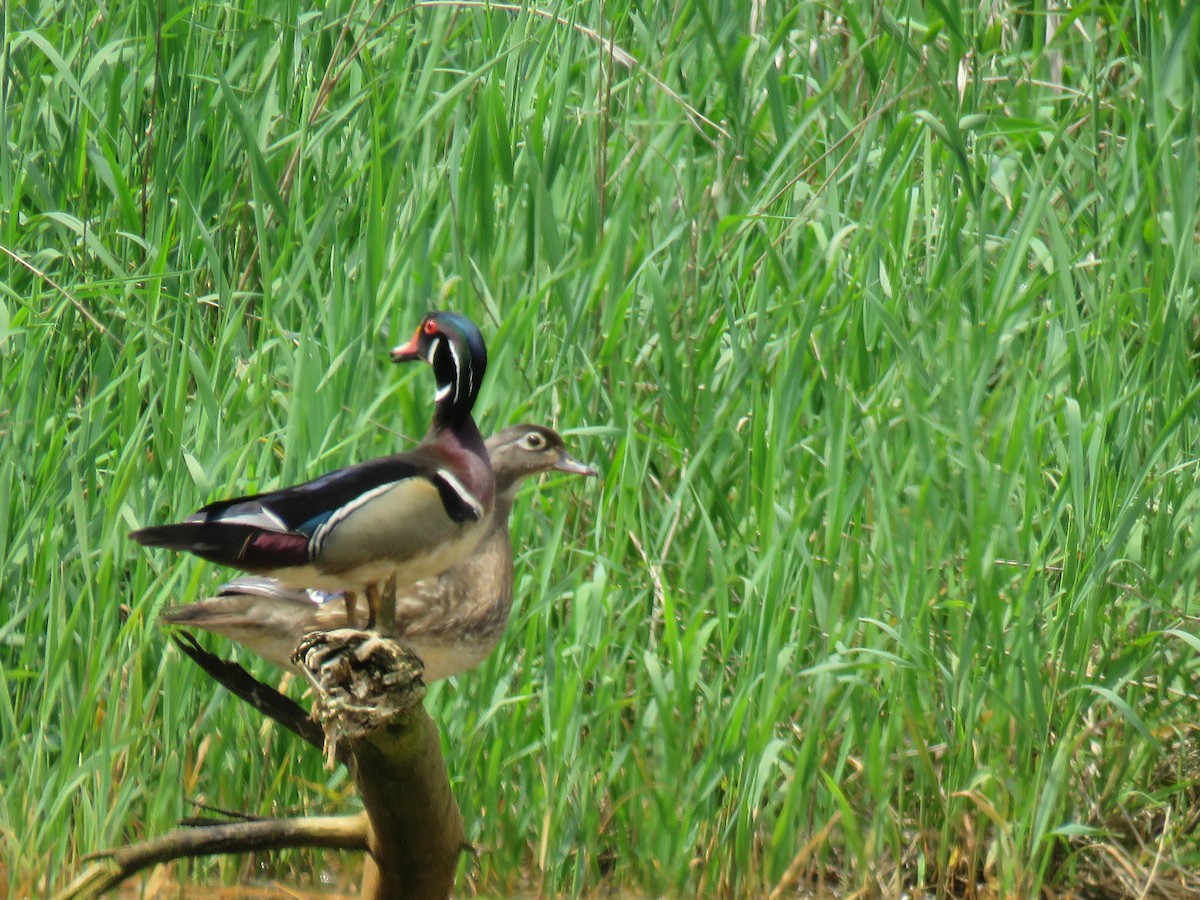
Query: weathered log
pixel 369 693
pixel 368 706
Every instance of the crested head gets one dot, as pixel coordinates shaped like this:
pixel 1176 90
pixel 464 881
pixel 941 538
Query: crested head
pixel 454 348
pixel 519 451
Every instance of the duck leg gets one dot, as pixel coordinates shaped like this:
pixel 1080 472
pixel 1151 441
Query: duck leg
pixel 372 605
pixel 351 600
pixel 386 608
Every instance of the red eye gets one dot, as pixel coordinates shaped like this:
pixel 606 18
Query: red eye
pixel 431 326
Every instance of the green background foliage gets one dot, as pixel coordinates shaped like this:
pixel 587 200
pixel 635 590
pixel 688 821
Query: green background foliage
pixel 881 321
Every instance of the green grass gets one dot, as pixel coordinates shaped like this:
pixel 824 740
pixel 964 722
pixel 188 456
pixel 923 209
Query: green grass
pixel 882 323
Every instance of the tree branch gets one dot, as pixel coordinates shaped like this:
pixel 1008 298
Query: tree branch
pixel 268 701
pixel 329 832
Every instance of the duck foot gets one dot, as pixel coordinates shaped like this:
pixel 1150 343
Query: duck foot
pixel 362 681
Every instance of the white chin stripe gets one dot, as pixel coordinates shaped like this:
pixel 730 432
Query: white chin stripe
pixel 460 489
pixel 433 349
pixel 443 392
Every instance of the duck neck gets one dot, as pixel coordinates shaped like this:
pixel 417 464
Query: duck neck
pixel 506 495
pixel 459 376
pixel 462 445
pixel 465 432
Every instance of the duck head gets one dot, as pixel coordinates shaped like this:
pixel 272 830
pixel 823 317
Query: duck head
pixel 520 451
pixel 454 348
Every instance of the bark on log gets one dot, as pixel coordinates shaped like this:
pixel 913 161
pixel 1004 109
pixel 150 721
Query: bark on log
pixel 416 827
pixel 369 693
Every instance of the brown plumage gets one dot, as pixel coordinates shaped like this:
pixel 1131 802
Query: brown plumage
pixel 451 621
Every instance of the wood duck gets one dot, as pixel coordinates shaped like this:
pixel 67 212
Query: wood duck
pixel 451 621
pixel 403 517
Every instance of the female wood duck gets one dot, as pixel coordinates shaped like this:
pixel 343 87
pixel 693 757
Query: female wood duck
pixel 405 517
pixel 451 621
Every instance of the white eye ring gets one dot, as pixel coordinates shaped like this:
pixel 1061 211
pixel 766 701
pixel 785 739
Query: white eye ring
pixel 534 441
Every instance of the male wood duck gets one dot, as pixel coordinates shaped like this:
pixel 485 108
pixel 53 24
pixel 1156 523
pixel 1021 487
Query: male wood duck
pixel 403 517
pixel 451 621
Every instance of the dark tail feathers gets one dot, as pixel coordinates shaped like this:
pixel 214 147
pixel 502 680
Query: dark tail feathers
pixel 195 537
pixel 245 547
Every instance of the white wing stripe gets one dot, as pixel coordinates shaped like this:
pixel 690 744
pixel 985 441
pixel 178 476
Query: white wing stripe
pixel 262 518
